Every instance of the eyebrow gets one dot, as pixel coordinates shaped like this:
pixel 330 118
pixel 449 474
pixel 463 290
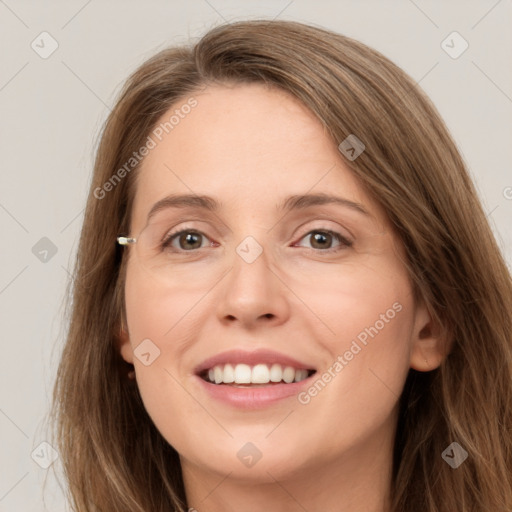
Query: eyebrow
pixel 295 202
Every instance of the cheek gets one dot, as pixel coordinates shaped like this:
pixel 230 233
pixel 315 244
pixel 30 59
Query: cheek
pixel 156 321
pixel 370 312
pixel 365 302
pixel 158 312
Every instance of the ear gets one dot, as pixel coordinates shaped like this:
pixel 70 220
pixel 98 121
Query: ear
pixel 429 345
pixel 124 345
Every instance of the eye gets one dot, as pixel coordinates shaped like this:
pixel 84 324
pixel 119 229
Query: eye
pixel 322 238
pixel 187 240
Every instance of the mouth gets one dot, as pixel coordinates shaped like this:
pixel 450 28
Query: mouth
pixel 252 380
pixel 259 375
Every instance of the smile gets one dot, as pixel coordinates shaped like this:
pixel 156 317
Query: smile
pixel 252 380
pixel 257 375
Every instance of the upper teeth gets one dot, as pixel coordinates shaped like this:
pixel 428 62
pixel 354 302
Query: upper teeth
pixel 258 374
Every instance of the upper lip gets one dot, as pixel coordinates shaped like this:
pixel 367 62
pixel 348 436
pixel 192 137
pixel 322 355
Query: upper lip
pixel 251 358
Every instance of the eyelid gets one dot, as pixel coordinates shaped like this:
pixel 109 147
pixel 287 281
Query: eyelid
pixel 172 231
pixel 171 235
pixel 337 231
pixel 344 241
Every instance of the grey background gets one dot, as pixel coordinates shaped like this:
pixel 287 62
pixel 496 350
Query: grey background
pixel 52 110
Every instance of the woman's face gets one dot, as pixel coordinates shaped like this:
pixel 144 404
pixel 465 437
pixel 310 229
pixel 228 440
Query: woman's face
pixel 273 284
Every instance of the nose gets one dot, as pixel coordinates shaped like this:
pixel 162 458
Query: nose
pixel 253 294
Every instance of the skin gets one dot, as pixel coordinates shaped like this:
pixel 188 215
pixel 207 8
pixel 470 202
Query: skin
pixel 250 147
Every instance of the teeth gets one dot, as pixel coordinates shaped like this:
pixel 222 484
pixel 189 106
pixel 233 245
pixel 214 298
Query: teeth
pixel 289 374
pixel 276 373
pixel 258 374
pixel 242 373
pixel 301 375
pixel 229 374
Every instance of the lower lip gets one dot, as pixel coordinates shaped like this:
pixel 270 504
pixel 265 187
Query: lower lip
pixel 253 397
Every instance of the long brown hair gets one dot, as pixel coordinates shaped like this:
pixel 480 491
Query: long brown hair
pixel 112 454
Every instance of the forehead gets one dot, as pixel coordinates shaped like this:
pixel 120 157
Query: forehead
pixel 249 145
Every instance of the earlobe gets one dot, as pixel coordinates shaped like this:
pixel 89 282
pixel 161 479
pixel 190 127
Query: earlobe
pixel 426 356
pixel 429 345
pixel 124 345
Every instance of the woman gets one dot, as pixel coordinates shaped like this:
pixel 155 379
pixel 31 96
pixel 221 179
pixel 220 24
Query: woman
pixel 337 336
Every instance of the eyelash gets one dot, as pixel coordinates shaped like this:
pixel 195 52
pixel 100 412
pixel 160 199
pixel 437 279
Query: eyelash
pixel 345 243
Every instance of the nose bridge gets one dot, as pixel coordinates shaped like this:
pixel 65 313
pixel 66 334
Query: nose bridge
pixel 252 290
pixel 251 278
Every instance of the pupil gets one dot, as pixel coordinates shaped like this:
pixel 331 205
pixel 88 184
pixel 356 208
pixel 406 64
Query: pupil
pixel 318 237
pixel 189 237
